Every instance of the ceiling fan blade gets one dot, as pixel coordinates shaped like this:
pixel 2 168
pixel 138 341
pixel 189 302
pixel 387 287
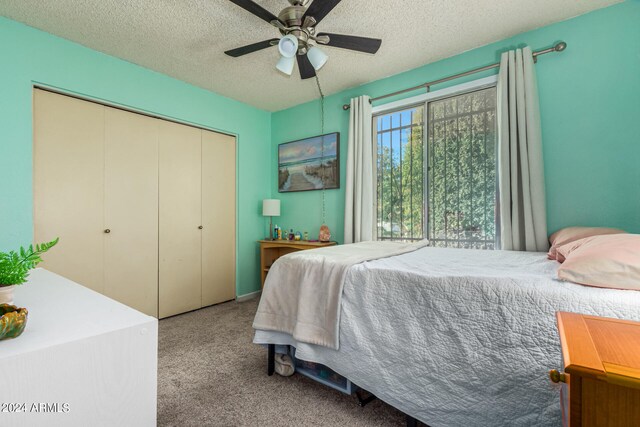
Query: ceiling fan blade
pixel 361 44
pixel 251 48
pixel 256 9
pixel 306 69
pixel 320 8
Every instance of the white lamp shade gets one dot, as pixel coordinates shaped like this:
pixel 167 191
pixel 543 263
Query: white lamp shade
pixel 317 57
pixel 285 65
pixel 271 207
pixel 288 46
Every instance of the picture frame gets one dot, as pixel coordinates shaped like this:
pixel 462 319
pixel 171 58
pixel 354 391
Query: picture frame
pixel 309 164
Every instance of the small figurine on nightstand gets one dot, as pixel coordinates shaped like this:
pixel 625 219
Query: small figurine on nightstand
pixel 325 234
pixel 298 236
pixel 306 236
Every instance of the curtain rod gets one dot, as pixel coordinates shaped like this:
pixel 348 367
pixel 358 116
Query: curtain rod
pixel 558 47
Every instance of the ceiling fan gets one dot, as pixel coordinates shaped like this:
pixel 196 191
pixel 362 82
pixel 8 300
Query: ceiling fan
pixel 297 24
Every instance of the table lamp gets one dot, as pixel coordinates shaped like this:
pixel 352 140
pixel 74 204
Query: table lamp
pixel 271 208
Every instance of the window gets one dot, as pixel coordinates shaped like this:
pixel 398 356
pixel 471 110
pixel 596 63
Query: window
pixel 437 179
pixel 400 173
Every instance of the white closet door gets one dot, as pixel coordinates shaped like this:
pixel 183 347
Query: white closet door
pixel 218 217
pixel 68 185
pixel 180 276
pixel 131 210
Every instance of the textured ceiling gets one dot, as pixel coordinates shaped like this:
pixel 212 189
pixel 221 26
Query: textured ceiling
pixel 186 38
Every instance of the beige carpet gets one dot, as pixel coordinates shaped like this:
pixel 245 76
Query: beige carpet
pixel 210 374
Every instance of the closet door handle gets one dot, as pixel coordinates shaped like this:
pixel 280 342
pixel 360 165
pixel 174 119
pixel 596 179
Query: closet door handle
pixel 200 227
pixel 107 231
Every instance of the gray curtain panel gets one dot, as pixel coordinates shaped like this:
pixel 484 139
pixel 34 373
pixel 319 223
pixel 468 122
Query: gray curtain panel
pixel 359 197
pixel 523 221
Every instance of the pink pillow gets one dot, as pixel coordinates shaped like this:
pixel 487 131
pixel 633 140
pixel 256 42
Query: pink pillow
pixel 571 234
pixel 610 261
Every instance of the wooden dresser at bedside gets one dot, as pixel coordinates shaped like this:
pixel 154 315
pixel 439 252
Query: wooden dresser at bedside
pixel 271 250
pixel 601 360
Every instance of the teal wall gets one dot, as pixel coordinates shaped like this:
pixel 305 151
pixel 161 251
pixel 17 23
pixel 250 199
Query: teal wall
pixel 28 55
pixel 590 108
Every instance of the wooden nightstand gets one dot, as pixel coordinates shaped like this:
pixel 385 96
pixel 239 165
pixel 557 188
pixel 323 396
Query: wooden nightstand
pixel 271 250
pixel 602 371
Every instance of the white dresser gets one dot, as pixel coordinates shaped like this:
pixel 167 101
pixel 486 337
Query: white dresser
pixel 83 359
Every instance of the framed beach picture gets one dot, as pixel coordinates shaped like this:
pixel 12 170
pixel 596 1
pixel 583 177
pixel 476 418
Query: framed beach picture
pixel 309 164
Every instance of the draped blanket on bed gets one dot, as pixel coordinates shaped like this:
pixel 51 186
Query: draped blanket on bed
pixel 303 291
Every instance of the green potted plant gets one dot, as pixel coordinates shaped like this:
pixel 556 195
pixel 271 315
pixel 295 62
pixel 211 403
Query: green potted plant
pixel 15 267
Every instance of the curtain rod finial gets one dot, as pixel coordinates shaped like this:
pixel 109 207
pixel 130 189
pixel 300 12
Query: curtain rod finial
pixel 559 47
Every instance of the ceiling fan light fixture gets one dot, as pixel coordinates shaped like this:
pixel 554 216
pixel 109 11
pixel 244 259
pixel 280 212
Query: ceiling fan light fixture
pixel 317 57
pixel 288 46
pixel 299 35
pixel 285 65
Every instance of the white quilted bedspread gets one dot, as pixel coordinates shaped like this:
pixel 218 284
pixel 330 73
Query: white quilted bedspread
pixel 459 337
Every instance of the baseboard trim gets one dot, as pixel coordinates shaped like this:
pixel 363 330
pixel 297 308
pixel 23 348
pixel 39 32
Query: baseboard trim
pixel 249 296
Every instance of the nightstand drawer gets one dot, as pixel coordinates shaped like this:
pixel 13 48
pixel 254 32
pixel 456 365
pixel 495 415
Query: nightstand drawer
pixel 271 250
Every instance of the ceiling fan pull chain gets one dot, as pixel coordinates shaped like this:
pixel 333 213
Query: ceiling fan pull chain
pixel 322 146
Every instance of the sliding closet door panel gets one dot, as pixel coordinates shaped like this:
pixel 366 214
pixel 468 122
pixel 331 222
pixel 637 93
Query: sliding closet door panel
pixel 68 185
pixel 218 217
pixel 131 210
pixel 180 219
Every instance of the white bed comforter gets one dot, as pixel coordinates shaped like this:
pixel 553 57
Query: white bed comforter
pixel 459 337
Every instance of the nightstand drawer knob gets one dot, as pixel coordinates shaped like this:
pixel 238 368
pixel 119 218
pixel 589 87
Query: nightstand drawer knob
pixel 557 377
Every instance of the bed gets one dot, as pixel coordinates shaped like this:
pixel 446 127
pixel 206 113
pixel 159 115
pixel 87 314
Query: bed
pixel 452 336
